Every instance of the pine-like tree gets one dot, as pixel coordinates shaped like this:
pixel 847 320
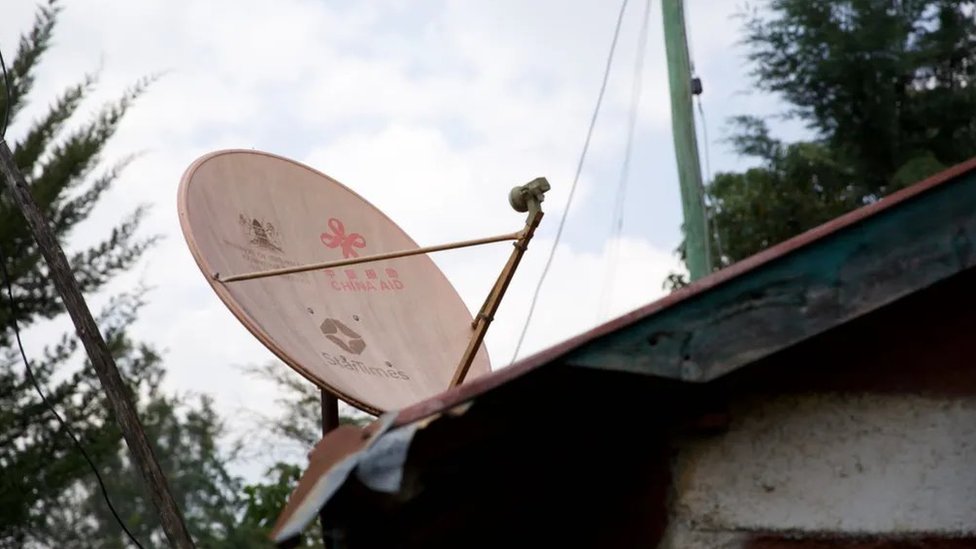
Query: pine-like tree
pixel 48 495
pixel 37 460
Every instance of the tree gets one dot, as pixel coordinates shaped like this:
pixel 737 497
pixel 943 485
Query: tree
pixel 798 186
pixel 265 501
pixel 37 461
pixel 185 433
pixel 48 496
pixel 888 89
pixel 297 427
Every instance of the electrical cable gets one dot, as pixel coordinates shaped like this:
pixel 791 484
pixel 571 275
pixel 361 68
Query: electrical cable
pixel 708 162
pixel 713 221
pixel 617 227
pixel 572 189
pixel 696 82
pixel 23 354
pixel 6 101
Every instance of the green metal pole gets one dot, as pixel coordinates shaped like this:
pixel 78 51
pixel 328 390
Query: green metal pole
pixel 685 144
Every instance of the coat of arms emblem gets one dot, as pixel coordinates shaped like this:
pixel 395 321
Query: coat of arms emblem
pixel 264 235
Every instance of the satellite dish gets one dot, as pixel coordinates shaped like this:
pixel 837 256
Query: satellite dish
pixel 336 289
pixel 379 335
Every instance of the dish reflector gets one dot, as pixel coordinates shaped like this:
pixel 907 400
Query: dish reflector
pixel 380 335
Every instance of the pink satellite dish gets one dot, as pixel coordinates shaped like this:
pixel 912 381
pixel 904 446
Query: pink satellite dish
pixel 379 335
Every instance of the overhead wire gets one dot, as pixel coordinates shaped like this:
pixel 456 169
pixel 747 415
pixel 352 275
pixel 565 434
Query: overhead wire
pixel 572 188
pixel 20 345
pixel 712 221
pixel 701 116
pixel 617 220
pixel 711 227
pixel 6 101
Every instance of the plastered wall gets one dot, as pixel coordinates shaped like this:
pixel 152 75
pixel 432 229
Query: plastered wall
pixel 828 466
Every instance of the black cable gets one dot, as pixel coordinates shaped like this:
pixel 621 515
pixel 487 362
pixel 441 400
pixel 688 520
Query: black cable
pixel 40 392
pixel 23 354
pixel 6 104
pixel 572 189
pixel 712 221
pixel 696 91
pixel 708 162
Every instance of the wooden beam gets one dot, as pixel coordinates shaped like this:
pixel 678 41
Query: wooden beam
pixel 115 388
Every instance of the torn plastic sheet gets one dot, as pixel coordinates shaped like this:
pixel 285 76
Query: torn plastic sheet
pixel 378 465
pixel 381 465
pixel 328 484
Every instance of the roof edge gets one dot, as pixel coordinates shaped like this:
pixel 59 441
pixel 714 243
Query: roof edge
pixel 457 395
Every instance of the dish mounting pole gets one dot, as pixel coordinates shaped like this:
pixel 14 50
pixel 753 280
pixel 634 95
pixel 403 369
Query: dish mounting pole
pixel 527 198
pixel 330 422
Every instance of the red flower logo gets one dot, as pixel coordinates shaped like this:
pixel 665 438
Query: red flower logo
pixel 339 239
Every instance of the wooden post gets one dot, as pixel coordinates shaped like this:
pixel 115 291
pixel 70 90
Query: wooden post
pixel 115 389
pixel 685 143
pixel 330 421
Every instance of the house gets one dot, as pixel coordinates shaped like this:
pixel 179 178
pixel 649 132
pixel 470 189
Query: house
pixel 819 394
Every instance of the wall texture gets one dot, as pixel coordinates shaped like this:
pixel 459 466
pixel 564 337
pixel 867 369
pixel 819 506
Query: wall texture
pixel 829 464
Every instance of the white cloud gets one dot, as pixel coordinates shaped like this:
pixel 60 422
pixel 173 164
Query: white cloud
pixel 570 300
pixel 431 111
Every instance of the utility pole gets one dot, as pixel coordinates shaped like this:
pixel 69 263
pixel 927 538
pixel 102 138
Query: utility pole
pixel 698 257
pixel 115 389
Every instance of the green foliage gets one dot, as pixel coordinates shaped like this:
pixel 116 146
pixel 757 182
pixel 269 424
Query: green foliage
pixel 185 433
pixel 265 501
pixel 298 425
pixel 880 82
pixel 298 421
pixel 48 496
pixel 797 187
pixel 60 168
pixel 38 463
pixel 888 90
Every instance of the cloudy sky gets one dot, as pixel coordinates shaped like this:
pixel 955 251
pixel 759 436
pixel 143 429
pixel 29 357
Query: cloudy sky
pixel 431 110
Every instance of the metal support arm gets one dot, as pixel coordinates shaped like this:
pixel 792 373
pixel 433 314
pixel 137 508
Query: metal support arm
pixel 528 198
pixel 364 259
